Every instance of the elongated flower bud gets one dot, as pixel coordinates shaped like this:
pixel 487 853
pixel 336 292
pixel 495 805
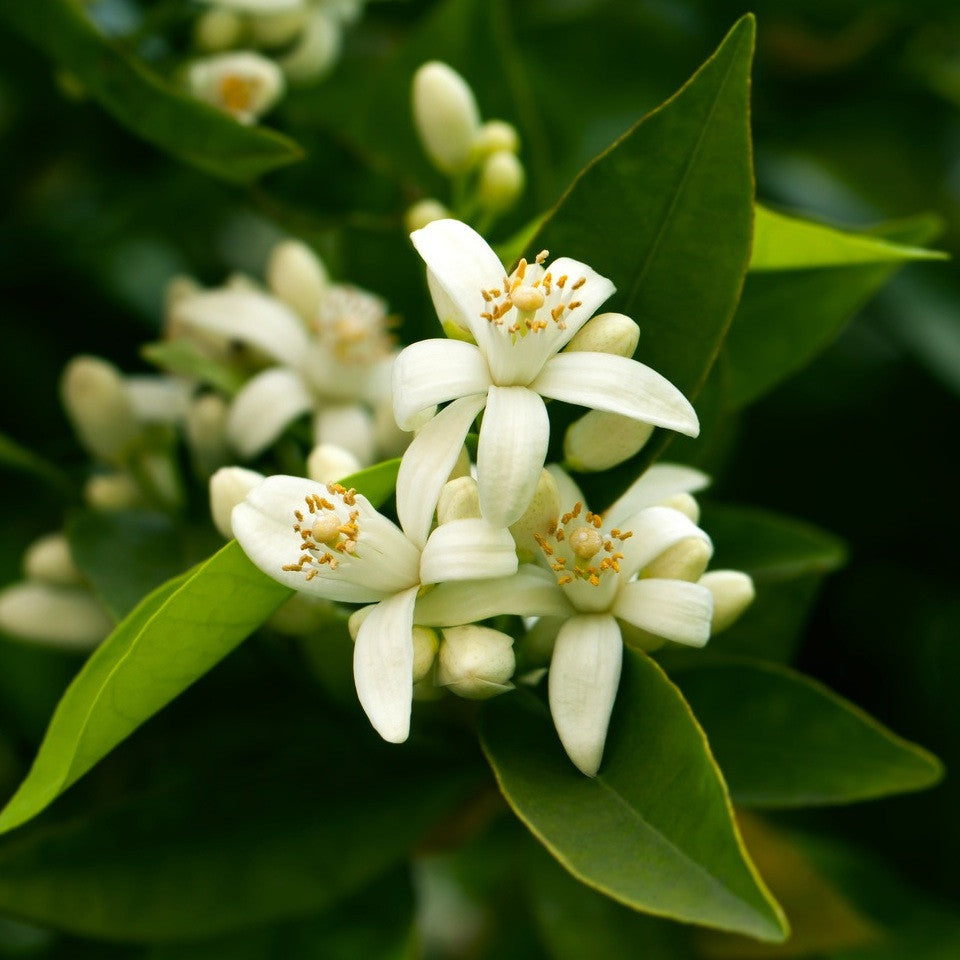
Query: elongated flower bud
pixel 228 487
pixel 543 511
pixel 685 504
pixel 297 276
pixel 459 500
pixel 600 440
pixel 424 212
pixel 316 50
pixel 112 491
pixel 217 30
pixel 685 560
pixel 328 463
pixel 476 662
pixel 56 615
pixel 446 116
pixel 277 29
pixel 607 333
pixel 425 643
pixel 49 559
pixel 494 136
pixel 501 181
pixel 732 591
pixel 98 406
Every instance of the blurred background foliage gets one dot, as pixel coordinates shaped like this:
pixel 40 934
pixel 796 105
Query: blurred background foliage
pixel 856 120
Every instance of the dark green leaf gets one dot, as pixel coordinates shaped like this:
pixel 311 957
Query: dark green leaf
pixel 655 828
pixel 143 102
pixel 170 640
pixel 784 740
pixel 182 357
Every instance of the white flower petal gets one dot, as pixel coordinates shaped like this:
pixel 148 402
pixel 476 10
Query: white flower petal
pixel 653 486
pixel 383 665
pixel 595 290
pixel 435 371
pixel 654 530
pixel 462 265
pixel 384 561
pixel 349 426
pixel 513 445
pixel 427 463
pixel 570 493
pixel 605 382
pixel 674 609
pixel 529 592
pixel 247 315
pixel 468 549
pixel 582 683
pixel 263 408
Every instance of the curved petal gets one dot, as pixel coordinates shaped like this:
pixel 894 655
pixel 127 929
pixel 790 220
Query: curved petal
pixel 594 291
pixel 529 592
pixel 570 493
pixel 427 463
pixel 469 549
pixel 654 530
pixel 513 445
pixel 603 381
pixel 347 425
pixel 653 486
pixel 674 609
pixel 383 665
pixel 435 371
pixel 264 406
pixel 582 684
pixel 249 316
pixel 384 560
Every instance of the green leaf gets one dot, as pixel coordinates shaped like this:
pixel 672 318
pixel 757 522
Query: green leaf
pixel 376 483
pixel 767 545
pixel 19 458
pixel 784 740
pixel 790 243
pixel 184 358
pixel 655 828
pixel 248 802
pixel 666 213
pixel 172 638
pixel 789 312
pixel 144 103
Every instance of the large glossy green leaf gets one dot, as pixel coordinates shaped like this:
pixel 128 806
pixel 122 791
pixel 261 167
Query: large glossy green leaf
pixel 248 802
pixel 784 740
pixel 655 828
pixel 170 640
pixel 805 282
pixel 143 102
pixel 666 213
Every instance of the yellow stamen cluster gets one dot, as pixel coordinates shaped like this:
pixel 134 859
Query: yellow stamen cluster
pixel 584 540
pixel 527 299
pixel 323 534
pixel 354 325
pixel 236 92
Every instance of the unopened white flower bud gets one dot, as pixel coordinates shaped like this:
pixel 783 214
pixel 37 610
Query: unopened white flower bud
pixel 732 591
pixel 459 500
pixel 297 276
pixel 684 503
pixel 685 560
pixel 607 333
pixel 495 136
pixel 177 288
pixel 228 487
pixel 536 520
pixel 424 212
pixel 446 116
pixel 96 401
pixel 158 398
pixel 206 429
pixel 600 440
pixel 501 181
pixel 277 29
pixel 112 491
pixel 49 559
pixel 328 463
pixel 349 426
pixel 425 642
pixel 243 84
pixel 217 30
pixel 463 465
pixel 476 662
pixel 355 621
pixel 316 51
pixel 56 615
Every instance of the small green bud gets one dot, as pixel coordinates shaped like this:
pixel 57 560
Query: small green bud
pixel 49 559
pixel 446 116
pixel 600 440
pixel 495 136
pixel 607 333
pixel 424 212
pixel 217 30
pixel 501 181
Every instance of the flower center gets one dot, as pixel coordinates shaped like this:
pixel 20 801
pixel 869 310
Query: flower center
pixel 538 299
pixel 353 324
pixel 325 537
pixel 236 92
pixel 572 547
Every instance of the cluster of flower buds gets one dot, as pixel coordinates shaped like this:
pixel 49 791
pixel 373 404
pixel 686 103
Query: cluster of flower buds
pixel 479 158
pixel 253 48
pixel 504 536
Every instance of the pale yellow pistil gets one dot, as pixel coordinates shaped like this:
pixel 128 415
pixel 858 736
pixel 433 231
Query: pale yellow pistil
pixel 584 541
pixel 327 535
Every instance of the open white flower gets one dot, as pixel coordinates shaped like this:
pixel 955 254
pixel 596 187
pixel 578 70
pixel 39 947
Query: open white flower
pixel 519 323
pixel 592 585
pixel 241 83
pixel 330 542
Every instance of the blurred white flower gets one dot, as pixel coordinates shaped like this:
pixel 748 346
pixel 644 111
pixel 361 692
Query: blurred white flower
pixel 243 83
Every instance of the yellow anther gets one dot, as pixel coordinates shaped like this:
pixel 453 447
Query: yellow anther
pixel 236 92
pixel 562 282
pixel 579 283
pixel 542 255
